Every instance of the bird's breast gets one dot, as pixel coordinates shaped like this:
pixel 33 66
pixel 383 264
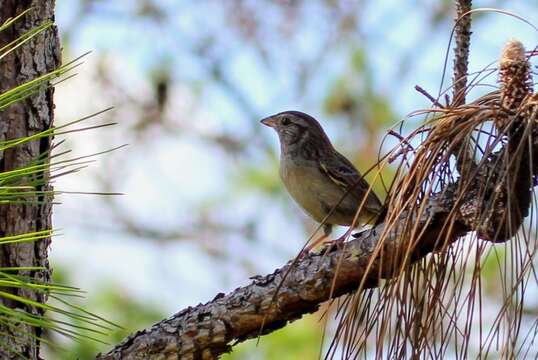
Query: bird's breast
pixel 316 193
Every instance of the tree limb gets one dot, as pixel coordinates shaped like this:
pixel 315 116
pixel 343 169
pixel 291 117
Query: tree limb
pixel 205 331
pixel 461 51
pixel 491 199
pixel 208 330
pixel 462 29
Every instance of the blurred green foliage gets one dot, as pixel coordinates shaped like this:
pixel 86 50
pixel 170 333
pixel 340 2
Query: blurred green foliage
pixel 298 340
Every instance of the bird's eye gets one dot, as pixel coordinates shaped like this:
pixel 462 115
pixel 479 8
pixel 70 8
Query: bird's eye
pixel 285 121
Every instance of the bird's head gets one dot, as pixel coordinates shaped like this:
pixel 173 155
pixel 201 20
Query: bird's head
pixel 296 129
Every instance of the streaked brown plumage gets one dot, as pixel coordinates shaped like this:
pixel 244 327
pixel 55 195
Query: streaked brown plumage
pixel 321 180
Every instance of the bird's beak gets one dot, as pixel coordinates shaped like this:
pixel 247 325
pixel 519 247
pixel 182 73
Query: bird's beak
pixel 269 121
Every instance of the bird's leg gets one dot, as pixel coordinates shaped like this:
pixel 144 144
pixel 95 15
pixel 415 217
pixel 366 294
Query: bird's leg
pixel 338 243
pixel 327 228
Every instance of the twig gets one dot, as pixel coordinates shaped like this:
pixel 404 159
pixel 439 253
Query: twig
pixel 427 95
pixel 461 52
pixel 464 156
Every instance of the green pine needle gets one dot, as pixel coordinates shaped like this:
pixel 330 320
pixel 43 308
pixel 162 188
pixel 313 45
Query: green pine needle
pixel 25 185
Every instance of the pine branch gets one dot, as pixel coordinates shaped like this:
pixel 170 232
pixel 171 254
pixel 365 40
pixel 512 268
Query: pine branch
pixel 462 29
pixel 491 199
pixel 208 330
pixel 461 52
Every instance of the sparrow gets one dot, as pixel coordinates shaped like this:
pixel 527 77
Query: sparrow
pixel 322 181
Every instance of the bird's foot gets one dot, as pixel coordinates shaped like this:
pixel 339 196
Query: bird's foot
pixel 329 245
pixel 337 244
pixel 326 245
pixel 309 247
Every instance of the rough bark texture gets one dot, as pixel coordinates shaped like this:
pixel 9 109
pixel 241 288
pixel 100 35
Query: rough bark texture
pixel 35 58
pixel 207 330
pixel 461 62
pixel 461 52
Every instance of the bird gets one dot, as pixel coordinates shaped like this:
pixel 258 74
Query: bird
pixel 323 182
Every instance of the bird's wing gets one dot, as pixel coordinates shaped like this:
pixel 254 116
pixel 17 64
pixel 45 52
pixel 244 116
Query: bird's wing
pixel 342 172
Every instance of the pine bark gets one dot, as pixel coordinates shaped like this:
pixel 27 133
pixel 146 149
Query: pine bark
pixel 37 57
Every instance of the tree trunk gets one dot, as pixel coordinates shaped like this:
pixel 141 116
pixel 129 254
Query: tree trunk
pixel 35 58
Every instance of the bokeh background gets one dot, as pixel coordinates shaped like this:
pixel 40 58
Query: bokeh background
pixel 204 208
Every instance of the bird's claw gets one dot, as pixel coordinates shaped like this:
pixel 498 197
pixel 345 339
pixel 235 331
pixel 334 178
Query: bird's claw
pixel 329 245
